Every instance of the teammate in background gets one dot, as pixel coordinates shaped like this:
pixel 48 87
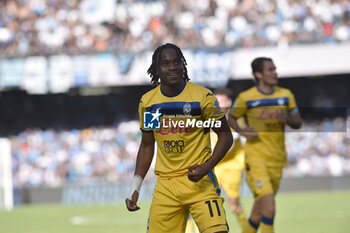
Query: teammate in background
pixel 191 226
pixel 266 108
pixel 230 169
pixel 186 183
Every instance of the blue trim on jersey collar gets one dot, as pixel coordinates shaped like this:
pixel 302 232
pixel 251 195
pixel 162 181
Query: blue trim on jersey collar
pixel 265 93
pixel 178 93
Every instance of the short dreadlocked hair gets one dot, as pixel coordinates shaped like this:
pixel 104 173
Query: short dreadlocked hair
pixel 152 70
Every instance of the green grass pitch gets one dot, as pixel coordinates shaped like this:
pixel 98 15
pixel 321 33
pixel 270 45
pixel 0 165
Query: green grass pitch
pixel 309 212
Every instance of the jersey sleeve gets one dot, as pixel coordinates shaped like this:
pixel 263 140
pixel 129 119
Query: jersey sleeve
pixel 239 107
pixel 211 108
pixel 141 115
pixel 292 106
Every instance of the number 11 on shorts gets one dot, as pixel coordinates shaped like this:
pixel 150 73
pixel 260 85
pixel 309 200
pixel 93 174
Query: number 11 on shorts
pixel 211 209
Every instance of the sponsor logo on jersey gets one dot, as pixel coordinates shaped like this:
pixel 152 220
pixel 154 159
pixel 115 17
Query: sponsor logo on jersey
pixel 267 114
pixel 168 127
pixel 174 146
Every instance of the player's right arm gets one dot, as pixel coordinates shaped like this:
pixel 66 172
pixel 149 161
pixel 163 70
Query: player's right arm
pixel 247 132
pixel 239 109
pixel 143 162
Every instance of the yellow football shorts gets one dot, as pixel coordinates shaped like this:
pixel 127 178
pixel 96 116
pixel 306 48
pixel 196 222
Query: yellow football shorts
pixel 229 178
pixel 174 198
pixel 262 179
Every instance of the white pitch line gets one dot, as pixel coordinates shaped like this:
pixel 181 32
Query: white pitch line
pixel 101 220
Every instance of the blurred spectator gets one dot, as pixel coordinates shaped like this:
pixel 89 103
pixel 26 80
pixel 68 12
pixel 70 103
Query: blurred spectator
pixel 44 27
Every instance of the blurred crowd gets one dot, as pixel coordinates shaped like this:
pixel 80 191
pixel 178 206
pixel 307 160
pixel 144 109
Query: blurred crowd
pixel 44 27
pixel 319 149
pixel 52 158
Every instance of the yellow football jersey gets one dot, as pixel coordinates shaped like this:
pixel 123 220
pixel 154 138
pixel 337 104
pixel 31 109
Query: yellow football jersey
pixel 260 110
pixel 180 125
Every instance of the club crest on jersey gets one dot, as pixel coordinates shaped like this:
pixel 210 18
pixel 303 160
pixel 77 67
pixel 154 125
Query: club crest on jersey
pixel 187 109
pixel 280 101
pixel 151 120
pixel 259 183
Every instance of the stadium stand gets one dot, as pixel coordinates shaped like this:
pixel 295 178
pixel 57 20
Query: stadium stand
pixel 47 27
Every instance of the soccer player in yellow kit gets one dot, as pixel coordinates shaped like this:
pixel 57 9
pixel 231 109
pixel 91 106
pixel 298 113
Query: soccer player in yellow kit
pixel 266 108
pixel 175 114
pixel 229 170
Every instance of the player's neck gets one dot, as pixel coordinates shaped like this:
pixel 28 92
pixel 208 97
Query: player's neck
pixel 172 90
pixel 265 88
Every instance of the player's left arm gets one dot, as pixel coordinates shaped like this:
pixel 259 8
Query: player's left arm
pixel 292 116
pixel 224 143
pixel 212 109
pixel 293 119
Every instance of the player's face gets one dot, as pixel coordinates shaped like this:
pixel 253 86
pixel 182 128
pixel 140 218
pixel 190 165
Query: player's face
pixel 224 102
pixel 269 74
pixel 171 68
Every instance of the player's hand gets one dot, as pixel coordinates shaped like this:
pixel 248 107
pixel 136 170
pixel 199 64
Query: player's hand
pixel 249 133
pixel 282 116
pixel 196 172
pixel 132 204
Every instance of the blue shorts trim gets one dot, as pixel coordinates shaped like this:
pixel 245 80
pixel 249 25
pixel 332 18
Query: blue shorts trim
pixel 212 178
